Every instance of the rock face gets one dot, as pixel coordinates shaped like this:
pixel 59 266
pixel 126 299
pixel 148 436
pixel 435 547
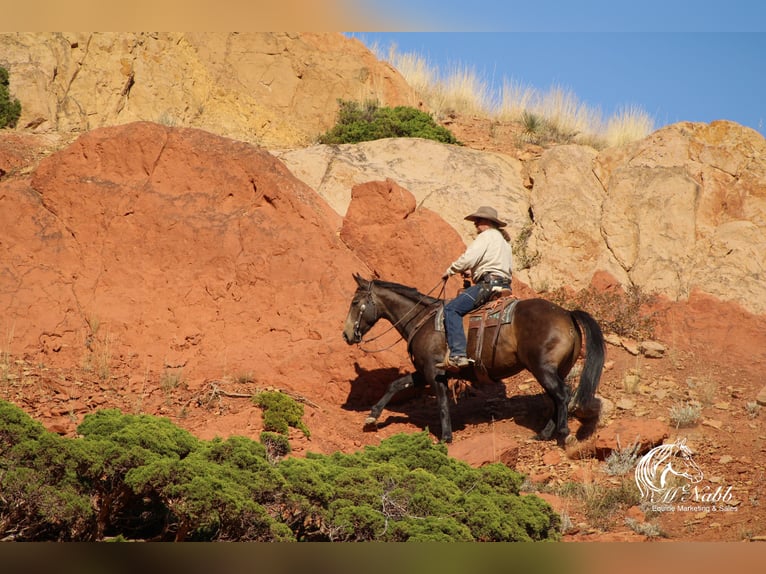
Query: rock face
pixel 175 250
pixel 447 179
pixel 275 89
pixel 683 210
pixel 384 227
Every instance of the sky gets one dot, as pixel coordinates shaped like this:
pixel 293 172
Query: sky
pixel 677 60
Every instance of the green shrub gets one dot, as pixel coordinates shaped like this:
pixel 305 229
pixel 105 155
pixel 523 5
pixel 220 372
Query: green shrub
pixel 280 412
pixel 10 108
pixel 42 498
pixel 409 489
pixel 131 477
pixel 16 427
pixel 358 123
pixel 277 445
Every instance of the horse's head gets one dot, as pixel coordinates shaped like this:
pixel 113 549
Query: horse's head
pixel 362 314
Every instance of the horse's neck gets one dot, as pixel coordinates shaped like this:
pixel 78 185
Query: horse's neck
pixel 401 311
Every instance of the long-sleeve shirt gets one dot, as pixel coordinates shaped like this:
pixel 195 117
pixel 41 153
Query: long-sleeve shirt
pixel 488 253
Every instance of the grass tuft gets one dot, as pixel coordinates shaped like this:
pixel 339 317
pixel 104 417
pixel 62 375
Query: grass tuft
pixel 460 89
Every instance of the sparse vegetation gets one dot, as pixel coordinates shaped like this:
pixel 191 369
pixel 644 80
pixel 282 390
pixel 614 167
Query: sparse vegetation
pixel 685 415
pixel 600 501
pixel 622 460
pixel 369 121
pixel 622 312
pixel 647 529
pixel 632 381
pixel 753 409
pixel 10 108
pixel 171 379
pixel 244 378
pixel 522 257
pixel 555 116
pixel 704 390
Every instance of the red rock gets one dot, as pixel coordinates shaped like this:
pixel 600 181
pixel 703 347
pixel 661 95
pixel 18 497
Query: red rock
pixel 552 457
pixel 479 450
pixel 622 434
pixel 384 227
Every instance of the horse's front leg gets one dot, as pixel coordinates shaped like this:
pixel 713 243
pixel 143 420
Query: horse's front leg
pixel 370 423
pixel 439 385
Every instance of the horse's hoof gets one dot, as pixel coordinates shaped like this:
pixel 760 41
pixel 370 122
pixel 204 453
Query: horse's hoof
pixel 547 432
pixel 370 424
pixel 565 440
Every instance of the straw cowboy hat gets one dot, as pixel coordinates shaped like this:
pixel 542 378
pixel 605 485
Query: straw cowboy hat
pixel 487 213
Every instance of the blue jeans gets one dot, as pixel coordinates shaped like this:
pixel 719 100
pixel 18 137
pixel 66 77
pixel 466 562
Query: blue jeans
pixel 454 311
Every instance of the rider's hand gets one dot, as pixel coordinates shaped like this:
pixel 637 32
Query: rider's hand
pixel 445 276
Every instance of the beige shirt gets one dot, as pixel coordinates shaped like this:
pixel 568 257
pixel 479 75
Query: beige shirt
pixel 489 253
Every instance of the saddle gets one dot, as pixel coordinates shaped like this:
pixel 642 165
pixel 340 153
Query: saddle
pixel 483 325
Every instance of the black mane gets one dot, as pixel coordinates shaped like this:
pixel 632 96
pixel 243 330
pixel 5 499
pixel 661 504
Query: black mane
pixel 409 292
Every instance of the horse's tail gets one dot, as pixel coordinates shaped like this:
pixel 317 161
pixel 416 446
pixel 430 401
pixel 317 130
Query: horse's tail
pixel 595 351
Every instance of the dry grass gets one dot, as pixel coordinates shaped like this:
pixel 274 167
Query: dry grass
pixel 631 123
pixel 462 90
pixel 685 415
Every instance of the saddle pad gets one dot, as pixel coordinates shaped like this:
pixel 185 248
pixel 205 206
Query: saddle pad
pixel 498 312
pixel 484 327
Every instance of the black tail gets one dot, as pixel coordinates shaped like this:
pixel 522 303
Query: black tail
pixel 594 362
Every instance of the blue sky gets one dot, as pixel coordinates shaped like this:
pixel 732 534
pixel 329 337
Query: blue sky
pixel 678 60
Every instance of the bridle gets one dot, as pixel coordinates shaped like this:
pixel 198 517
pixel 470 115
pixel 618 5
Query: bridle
pixel 369 300
pixel 362 308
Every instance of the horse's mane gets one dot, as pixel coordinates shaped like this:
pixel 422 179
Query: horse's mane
pixel 408 292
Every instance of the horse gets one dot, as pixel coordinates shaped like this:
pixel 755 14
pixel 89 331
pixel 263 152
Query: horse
pixel 656 467
pixel 542 337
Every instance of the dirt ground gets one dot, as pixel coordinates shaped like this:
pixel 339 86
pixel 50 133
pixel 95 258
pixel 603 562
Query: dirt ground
pixel 637 392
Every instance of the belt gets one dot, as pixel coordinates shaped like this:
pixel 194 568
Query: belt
pixel 492 278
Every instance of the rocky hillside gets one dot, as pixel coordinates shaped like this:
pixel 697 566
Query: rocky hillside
pixel 178 264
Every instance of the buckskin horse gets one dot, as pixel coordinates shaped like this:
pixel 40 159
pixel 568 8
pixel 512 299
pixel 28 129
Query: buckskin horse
pixel 536 335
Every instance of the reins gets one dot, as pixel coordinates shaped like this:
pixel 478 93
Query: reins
pixel 415 305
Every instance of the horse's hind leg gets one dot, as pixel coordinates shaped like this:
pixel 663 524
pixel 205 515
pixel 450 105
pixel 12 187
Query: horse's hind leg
pixel 399 384
pixel 557 389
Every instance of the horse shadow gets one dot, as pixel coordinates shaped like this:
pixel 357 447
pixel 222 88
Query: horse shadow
pixel 470 404
pixel 371 384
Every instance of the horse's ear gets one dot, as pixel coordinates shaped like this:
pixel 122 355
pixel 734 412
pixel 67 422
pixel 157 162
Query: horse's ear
pixel 359 280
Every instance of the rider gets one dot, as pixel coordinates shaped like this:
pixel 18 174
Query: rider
pixel 487 261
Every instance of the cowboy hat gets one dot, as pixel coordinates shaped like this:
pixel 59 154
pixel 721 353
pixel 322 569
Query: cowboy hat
pixel 487 213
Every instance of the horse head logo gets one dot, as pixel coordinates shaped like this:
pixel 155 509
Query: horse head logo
pixel 665 468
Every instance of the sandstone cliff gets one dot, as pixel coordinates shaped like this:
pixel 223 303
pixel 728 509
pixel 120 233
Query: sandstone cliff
pixel 680 211
pixel 274 89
